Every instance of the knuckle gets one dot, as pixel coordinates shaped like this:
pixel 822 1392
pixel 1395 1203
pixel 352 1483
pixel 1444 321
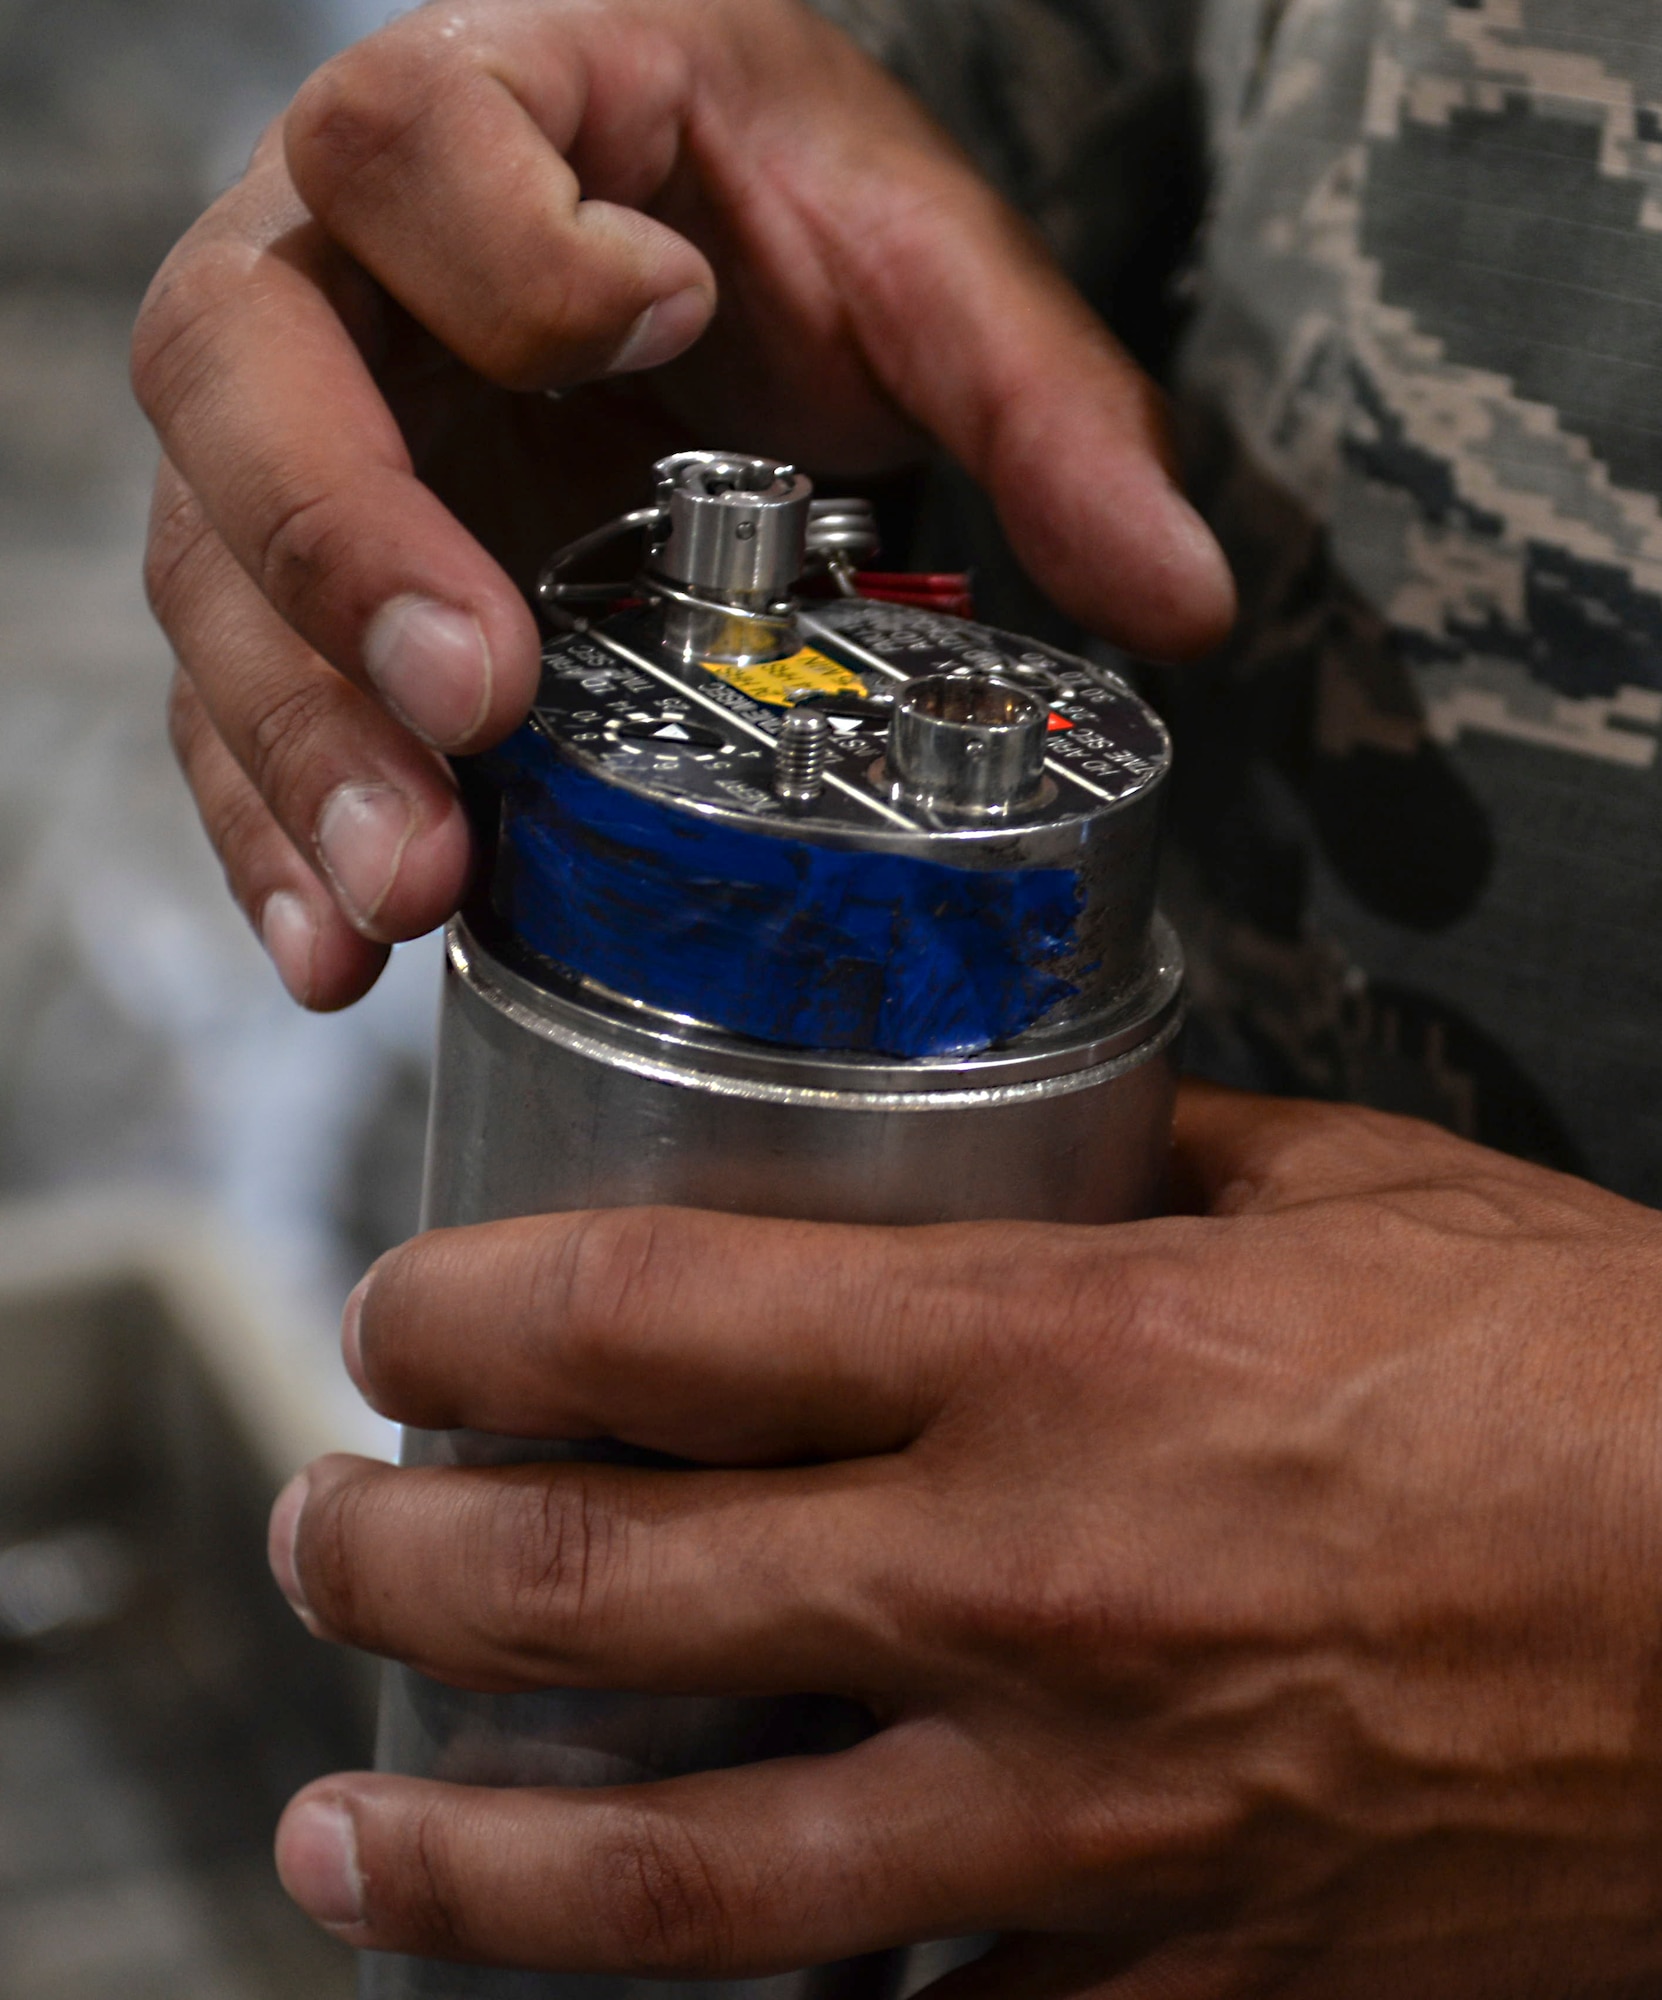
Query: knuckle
pixel 187 723
pixel 357 115
pixel 1076 1608
pixel 553 1553
pixel 1028 1601
pixel 175 337
pixel 348 115
pixel 241 831
pixel 167 313
pixel 177 361
pixel 1312 1130
pixel 179 537
pixel 660 1901
pixel 1140 1303
pixel 284 735
pixel 605 1272
pixel 427 1894
pixel 299 547
pixel 376 118
pixel 1312 1144
pixel 326 1550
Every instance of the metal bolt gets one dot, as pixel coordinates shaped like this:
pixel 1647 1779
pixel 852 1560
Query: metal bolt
pixel 799 763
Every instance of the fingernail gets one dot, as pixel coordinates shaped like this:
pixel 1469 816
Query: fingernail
pixel 361 838
pixel 289 933
pixel 317 1861
pixel 351 1337
pixel 281 1540
pixel 432 665
pixel 663 331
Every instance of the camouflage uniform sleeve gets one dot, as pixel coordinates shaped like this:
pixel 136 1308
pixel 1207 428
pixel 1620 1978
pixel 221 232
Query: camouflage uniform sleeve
pixel 1415 824
pixel 1420 799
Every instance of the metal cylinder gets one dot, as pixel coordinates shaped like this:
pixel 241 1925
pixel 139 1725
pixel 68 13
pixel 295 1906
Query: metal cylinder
pixel 968 744
pixel 841 913
pixel 732 526
pixel 550 1097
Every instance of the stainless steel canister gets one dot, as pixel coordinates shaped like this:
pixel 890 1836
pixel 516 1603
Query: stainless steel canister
pixel 971 776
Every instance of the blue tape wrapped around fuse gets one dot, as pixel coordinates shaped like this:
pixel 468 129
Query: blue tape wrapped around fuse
pixel 771 936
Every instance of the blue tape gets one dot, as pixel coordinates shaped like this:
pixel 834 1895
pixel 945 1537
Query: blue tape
pixel 771 937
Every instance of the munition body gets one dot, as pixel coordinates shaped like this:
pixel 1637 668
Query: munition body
pixel 837 910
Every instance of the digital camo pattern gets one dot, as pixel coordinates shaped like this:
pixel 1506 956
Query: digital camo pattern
pixel 1421 797
pixel 1435 297
pixel 1418 810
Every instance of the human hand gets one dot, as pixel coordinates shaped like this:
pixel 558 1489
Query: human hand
pixel 1260 1600
pixel 497 197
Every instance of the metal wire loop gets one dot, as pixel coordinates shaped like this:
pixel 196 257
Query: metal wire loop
pixel 840 532
pixel 556 595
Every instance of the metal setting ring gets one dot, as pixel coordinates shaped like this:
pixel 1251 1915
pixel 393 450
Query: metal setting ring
pixel 555 596
pixel 778 617
pixel 839 532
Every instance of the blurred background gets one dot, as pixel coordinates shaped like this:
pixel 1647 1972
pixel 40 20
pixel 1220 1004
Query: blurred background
pixel 192 1174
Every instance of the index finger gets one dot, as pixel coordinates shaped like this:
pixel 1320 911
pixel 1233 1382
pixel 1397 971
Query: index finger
pixel 714 1337
pixel 871 275
pixel 247 361
pixel 980 339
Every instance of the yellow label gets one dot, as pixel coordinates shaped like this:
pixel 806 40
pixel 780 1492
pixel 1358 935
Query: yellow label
pixel 775 681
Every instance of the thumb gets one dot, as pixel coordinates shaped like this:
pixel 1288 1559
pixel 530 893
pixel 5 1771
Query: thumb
pixel 973 330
